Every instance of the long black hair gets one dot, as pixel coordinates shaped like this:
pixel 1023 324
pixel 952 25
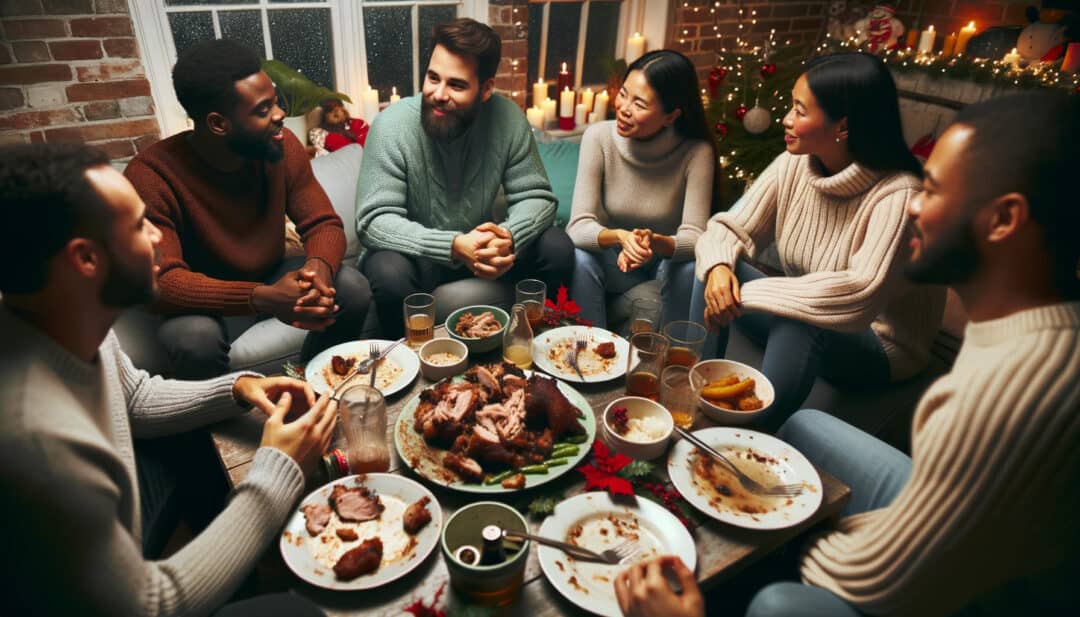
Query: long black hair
pixel 674 78
pixel 857 86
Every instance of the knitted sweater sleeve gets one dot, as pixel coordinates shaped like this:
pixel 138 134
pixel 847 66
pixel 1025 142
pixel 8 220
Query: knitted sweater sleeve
pixel 181 288
pixel 530 204
pixel 845 300
pixel 730 235
pixel 697 202
pixel 382 212
pixel 587 215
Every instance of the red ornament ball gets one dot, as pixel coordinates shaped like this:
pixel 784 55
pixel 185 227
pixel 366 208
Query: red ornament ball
pixel 716 77
pixel 740 111
pixel 721 129
pixel 767 70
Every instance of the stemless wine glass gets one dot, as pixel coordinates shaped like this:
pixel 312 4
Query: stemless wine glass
pixel 419 311
pixel 648 351
pixel 678 395
pixel 531 294
pixel 363 419
pixel 687 340
pixel 644 316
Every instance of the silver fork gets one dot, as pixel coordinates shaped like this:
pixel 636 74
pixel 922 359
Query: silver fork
pixel 776 490
pixel 581 341
pixel 373 354
pixel 612 556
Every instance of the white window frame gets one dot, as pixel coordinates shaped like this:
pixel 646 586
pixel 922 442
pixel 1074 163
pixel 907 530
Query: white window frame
pixel 647 17
pixel 158 52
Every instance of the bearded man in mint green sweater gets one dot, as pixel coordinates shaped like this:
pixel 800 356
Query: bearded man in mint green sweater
pixel 433 167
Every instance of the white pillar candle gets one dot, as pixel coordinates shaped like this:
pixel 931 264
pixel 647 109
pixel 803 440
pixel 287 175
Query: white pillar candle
pixel 635 47
pixel 548 105
pixel 394 96
pixel 536 117
pixel 600 107
pixel 579 114
pixel 566 103
pixel 594 117
pixel 540 89
pixel 962 39
pixel 1012 58
pixel 369 100
pixel 926 41
pixel 587 99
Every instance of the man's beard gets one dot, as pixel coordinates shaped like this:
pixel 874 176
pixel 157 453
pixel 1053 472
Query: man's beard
pixel 127 286
pixel 258 146
pixel 449 127
pixel 952 259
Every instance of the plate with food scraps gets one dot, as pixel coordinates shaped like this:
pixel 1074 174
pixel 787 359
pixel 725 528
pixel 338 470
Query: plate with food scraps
pixel 595 521
pixel 714 490
pixel 604 357
pixel 368 530
pixel 498 432
pixel 329 368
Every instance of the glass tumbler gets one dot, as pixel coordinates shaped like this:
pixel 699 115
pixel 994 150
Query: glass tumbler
pixel 363 419
pixel 648 352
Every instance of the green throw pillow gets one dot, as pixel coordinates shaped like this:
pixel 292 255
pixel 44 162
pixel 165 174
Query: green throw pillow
pixel 560 160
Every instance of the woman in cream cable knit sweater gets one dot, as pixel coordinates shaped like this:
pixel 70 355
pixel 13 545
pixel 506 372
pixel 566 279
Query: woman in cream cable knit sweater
pixel 834 204
pixel 644 189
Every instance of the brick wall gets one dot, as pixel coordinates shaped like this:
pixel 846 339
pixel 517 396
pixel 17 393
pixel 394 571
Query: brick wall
pixel 692 29
pixel 509 18
pixel 950 15
pixel 70 72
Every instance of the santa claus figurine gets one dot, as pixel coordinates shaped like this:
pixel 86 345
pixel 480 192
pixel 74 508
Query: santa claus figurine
pixel 340 129
pixel 880 29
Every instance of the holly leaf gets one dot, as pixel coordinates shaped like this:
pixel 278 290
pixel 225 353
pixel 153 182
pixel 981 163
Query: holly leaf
pixel 637 469
pixel 291 370
pixel 543 506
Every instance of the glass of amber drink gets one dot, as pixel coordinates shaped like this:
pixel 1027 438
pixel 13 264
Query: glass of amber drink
pixel 687 339
pixel 363 419
pixel 678 396
pixel 419 319
pixel 531 293
pixel 648 353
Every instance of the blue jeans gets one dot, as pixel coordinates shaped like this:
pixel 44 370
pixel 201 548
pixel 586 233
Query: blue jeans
pixel 796 353
pixel 875 471
pixel 597 274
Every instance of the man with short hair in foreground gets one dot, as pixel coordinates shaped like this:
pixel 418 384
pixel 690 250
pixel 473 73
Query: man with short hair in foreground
pixel 79 250
pixel 982 518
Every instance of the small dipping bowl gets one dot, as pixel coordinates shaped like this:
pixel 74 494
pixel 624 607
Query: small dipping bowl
pixel 638 408
pixel 436 371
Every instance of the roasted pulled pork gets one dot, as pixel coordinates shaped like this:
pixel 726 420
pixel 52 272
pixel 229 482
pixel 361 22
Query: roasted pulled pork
pixel 355 504
pixel 477 326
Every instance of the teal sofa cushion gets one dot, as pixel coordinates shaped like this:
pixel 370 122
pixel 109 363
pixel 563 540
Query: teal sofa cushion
pixel 560 160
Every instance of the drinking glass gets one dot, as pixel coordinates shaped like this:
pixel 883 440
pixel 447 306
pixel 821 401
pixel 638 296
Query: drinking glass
pixel 679 396
pixel 363 419
pixel 648 351
pixel 419 319
pixel 644 316
pixel 531 293
pixel 687 340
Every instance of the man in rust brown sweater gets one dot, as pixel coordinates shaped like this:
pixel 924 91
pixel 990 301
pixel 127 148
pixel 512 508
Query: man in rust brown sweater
pixel 219 194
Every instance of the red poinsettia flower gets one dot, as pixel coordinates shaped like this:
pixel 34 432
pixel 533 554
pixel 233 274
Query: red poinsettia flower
pixel 563 309
pixel 602 473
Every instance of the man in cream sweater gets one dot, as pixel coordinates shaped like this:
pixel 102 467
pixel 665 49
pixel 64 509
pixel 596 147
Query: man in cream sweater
pixel 982 517
pixel 78 249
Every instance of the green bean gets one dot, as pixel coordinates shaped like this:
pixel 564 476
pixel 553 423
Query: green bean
pixel 555 462
pixel 572 439
pixel 534 469
pixel 499 477
pixel 562 451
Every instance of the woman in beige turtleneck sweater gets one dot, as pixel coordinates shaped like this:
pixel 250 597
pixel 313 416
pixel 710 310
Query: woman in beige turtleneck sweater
pixel 644 189
pixel 834 204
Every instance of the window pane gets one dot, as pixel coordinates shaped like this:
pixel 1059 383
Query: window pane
pixel 563 22
pixel 190 28
pixel 203 2
pixel 536 24
pixel 301 38
pixel 600 42
pixel 243 27
pixel 431 16
pixel 287 1
pixel 388 40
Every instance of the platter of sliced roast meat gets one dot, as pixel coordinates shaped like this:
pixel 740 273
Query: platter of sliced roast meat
pixel 495 429
pixel 360 532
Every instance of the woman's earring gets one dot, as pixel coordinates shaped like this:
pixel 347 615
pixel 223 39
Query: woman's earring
pixel 838 140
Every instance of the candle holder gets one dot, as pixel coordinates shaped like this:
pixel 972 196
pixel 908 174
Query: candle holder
pixel 566 123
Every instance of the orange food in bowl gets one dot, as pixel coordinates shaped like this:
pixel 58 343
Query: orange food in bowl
pixel 732 393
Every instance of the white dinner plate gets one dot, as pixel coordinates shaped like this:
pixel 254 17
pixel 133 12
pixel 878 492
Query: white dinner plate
pixel 394 373
pixel 595 521
pixel 550 348
pixel 756 454
pixel 313 558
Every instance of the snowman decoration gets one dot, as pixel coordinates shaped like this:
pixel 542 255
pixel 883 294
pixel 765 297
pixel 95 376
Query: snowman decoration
pixel 880 29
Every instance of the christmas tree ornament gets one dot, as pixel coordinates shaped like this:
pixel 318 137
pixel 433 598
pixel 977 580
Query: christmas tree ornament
pixel 767 70
pixel 740 111
pixel 757 120
pixel 716 77
pixel 721 129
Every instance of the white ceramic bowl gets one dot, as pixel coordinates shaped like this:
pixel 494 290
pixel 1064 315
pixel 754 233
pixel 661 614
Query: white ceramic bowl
pixel 638 407
pixel 710 370
pixel 436 372
pixel 478 345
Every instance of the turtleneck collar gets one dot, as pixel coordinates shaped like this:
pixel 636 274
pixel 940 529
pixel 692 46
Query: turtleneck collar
pixel 649 150
pixel 1061 316
pixel 849 182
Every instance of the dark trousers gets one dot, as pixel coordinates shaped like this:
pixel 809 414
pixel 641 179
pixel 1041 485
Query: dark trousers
pixel 198 345
pixel 394 276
